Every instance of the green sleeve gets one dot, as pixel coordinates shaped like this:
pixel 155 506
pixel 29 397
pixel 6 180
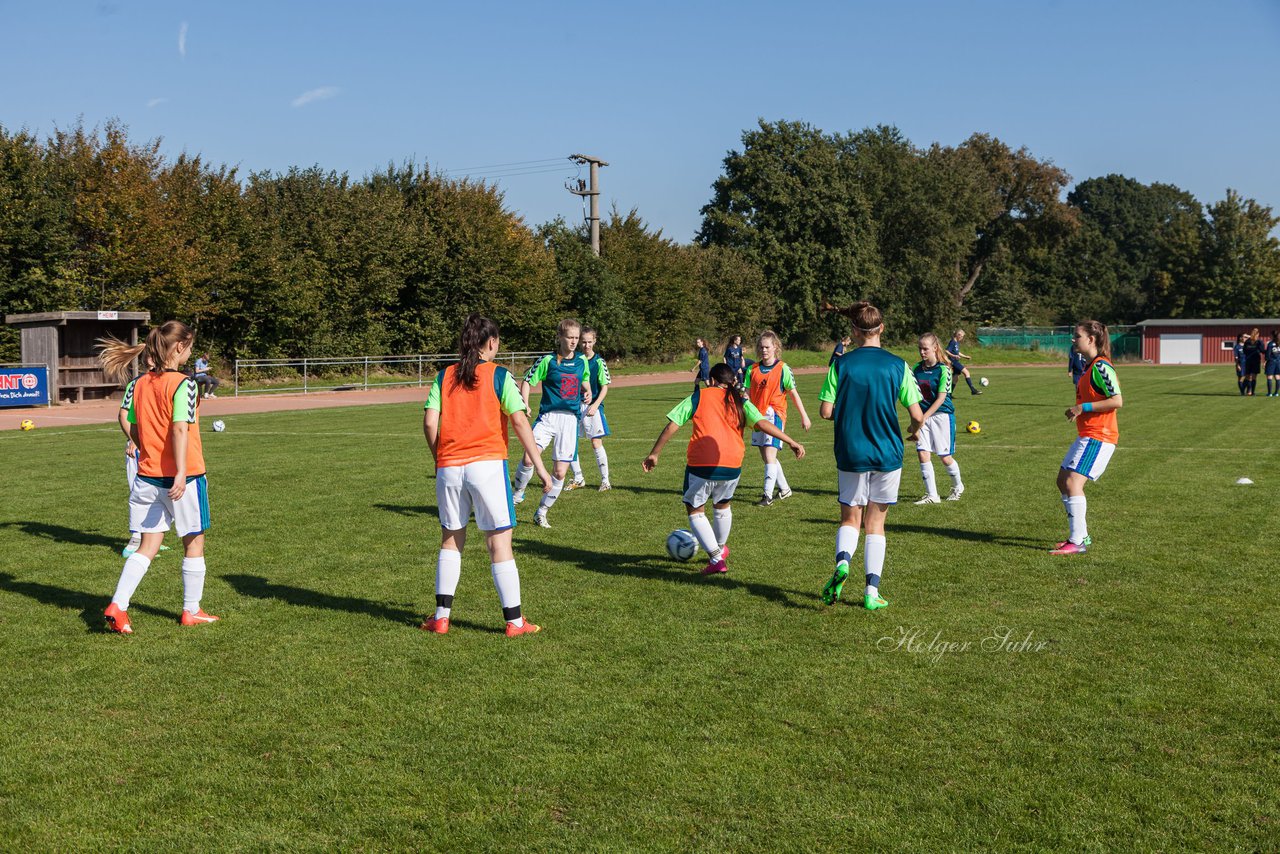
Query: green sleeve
pixel 753 415
pixel 133 412
pixel 828 393
pixel 127 402
pixel 947 384
pixel 602 373
pixel 185 399
pixel 746 378
pixel 682 413
pixel 909 391
pixel 511 400
pixel 586 374
pixel 538 372
pixel 788 378
pixel 1105 379
pixel 433 396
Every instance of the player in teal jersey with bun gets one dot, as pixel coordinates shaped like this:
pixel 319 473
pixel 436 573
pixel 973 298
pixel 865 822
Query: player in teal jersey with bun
pixel 861 394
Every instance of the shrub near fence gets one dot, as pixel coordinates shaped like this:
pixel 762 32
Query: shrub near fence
pixel 1126 341
pixel 267 376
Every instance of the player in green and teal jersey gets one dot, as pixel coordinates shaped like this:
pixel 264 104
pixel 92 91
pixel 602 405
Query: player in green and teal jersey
pixel 593 424
pixel 861 394
pixel 938 435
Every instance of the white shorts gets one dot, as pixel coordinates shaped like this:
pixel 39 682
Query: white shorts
pixel 859 488
pixel 484 485
pixel 938 435
pixel 560 430
pixel 130 466
pixel 764 440
pixel 152 511
pixel 699 490
pixel 593 426
pixel 1088 457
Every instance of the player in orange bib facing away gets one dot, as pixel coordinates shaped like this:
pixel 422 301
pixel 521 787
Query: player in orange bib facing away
pixel 719 414
pixel 170 489
pixel 465 422
pixel 768 383
pixel 1097 399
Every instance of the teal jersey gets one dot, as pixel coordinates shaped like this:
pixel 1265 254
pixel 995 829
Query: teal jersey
pixel 866 385
pixel 562 382
pixel 598 373
pixel 938 380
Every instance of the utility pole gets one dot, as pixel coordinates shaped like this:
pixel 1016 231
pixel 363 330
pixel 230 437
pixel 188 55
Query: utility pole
pixel 581 189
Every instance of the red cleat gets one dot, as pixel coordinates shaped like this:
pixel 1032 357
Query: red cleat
pixel 527 629
pixel 436 625
pixel 117 619
pixel 199 618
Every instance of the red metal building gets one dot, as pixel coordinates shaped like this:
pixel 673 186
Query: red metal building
pixel 1197 342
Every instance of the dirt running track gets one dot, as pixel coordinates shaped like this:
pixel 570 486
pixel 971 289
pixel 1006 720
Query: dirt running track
pixel 105 411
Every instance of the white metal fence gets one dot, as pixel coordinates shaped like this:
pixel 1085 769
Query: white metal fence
pixel 348 373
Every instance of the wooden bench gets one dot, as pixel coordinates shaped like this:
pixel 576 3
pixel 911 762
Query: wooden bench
pixel 80 387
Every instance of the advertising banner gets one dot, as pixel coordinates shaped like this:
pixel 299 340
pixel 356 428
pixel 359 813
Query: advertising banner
pixel 24 386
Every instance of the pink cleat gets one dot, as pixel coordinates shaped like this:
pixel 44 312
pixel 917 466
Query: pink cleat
pixel 1068 548
pixel 716 566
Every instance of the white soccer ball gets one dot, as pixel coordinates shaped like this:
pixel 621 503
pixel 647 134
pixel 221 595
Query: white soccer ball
pixel 984 382
pixel 219 426
pixel 681 545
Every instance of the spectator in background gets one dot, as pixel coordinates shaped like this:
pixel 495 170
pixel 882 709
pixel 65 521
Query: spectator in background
pixel 204 377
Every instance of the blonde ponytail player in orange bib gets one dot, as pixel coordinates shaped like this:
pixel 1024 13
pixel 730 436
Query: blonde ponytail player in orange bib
pixel 170 489
pixel 1097 400
pixel 719 414
pixel 768 383
pixel 465 422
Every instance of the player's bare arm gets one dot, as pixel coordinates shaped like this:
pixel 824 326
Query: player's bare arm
pixel 651 461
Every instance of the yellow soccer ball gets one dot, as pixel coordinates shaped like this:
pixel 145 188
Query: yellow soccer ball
pixel 27 424
pixel 974 427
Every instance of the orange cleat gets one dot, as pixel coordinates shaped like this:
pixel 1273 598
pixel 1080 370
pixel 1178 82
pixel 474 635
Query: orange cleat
pixel 527 629
pixel 117 620
pixel 199 618
pixel 437 626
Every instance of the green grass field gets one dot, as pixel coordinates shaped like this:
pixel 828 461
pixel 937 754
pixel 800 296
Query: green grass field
pixel 1133 705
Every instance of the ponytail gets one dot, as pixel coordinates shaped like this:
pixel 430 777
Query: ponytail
pixel 162 342
pixel 1097 332
pixel 476 332
pixel 726 376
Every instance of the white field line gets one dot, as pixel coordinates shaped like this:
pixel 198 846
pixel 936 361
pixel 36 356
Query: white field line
pixel 1185 376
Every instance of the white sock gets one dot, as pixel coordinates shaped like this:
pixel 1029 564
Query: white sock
pixel 930 484
pixel 1076 507
pixel 602 460
pixel 448 571
pixel 130 577
pixel 873 559
pixel 783 486
pixel 954 471
pixel 557 486
pixel 135 540
pixel 192 583
pixel 523 475
pixel 721 523
pixel 577 469
pixel 507 579
pixel 846 543
pixel 705 534
pixel 770 477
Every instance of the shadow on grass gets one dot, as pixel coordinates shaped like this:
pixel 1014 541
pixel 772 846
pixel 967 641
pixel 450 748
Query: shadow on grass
pixel 892 528
pixel 407 509
pixel 649 567
pixel 1017 403
pixel 62 534
pixel 259 588
pixel 91 605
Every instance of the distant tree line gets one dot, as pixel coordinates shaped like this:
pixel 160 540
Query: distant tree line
pixel 313 262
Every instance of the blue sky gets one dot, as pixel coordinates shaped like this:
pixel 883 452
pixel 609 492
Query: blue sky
pixel 1180 92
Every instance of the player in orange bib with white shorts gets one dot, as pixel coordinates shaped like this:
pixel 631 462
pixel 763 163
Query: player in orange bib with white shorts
pixel 170 489
pixel 1097 400
pixel 465 422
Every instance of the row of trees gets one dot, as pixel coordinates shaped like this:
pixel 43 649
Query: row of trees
pixel 313 262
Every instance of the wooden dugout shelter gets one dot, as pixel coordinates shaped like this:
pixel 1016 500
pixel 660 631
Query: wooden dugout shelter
pixel 66 342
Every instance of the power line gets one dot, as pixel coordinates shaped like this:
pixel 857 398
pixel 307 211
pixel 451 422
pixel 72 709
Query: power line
pixel 547 160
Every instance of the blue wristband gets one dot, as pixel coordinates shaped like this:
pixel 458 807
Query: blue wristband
pixel 1086 407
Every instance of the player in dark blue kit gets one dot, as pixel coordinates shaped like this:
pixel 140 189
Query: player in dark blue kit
pixel 1273 364
pixel 1237 353
pixel 703 368
pixel 1253 348
pixel 1077 364
pixel 733 357
pixel 953 350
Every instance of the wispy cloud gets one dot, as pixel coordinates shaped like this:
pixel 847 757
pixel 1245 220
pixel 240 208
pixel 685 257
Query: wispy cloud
pixel 321 94
pixel 182 40
pixel 155 102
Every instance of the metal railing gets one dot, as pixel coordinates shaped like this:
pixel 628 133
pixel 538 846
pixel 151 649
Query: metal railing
pixel 350 373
